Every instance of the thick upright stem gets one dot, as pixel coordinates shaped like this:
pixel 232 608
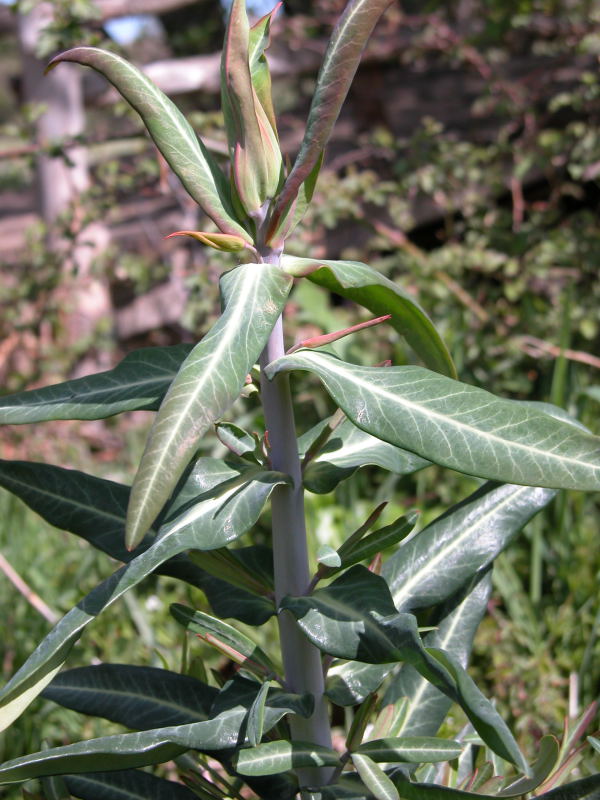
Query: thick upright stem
pixel 301 660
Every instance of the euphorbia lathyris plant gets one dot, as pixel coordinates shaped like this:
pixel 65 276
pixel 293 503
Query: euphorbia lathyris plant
pixel 348 634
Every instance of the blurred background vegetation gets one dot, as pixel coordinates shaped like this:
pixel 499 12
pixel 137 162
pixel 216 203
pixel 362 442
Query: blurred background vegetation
pixel 465 166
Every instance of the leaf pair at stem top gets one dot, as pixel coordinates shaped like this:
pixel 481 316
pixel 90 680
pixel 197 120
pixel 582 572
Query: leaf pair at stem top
pixel 257 207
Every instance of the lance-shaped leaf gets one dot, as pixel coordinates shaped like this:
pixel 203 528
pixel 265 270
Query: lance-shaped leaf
pixel 456 425
pixel 349 788
pixel 128 784
pixel 141 698
pixel 347 449
pixel 369 288
pixel 271 758
pixel 253 145
pixel 456 624
pixel 223 731
pixel 374 778
pixel 259 40
pixel 139 381
pixel 173 135
pixel 220 633
pixel 224 242
pixel 94 508
pixel 228 506
pixel 255 724
pixel 411 749
pixel 208 382
pixel 355 618
pixel 447 553
pixel 335 76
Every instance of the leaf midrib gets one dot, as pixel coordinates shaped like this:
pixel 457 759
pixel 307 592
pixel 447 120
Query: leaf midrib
pixel 117 693
pixel 455 542
pixel 452 422
pixel 214 358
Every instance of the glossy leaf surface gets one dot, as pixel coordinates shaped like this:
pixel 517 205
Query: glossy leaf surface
pixel 441 558
pixel 349 683
pixel 224 730
pixel 355 618
pixel 208 382
pixel 141 698
pixel 228 502
pixel 456 624
pixel 273 757
pixel 173 135
pixel 415 750
pixel 125 785
pixel 369 288
pixel 347 449
pixel 349 788
pixel 139 381
pixel 374 778
pixel 94 508
pixel 456 425
pixel 335 76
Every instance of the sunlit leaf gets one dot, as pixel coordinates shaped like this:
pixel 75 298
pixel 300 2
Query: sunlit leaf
pixel 369 288
pixel 171 132
pixel 140 381
pixel 209 381
pixel 456 425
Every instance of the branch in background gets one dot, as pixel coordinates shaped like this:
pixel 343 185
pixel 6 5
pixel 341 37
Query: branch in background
pixel 32 598
pixel 537 347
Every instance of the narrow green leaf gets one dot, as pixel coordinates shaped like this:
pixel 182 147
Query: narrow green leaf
pixel 378 541
pixel 238 441
pixel 208 382
pixel 456 425
pixel 374 778
pixel 335 76
pixel 456 623
pixel 125 785
pixel 355 618
pixel 347 449
pixel 205 625
pixel 141 698
pixel 543 766
pixel 229 502
pixel 585 789
pixel 139 381
pixel 124 751
pixel 256 716
pixel 274 757
pixel 95 508
pixel 173 135
pixel 595 742
pixel 367 287
pixel 445 555
pixel 413 750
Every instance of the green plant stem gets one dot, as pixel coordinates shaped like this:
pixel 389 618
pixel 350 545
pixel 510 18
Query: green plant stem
pixel 301 659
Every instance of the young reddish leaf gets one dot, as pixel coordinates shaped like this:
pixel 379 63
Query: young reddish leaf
pixel 225 242
pixel 337 71
pixel 254 149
